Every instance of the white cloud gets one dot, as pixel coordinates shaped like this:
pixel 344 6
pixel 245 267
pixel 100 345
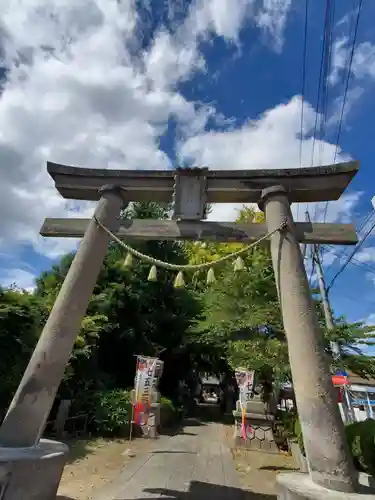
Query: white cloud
pixel 370 320
pixel 366 255
pixel 364 61
pixel 273 18
pixel 336 211
pixel 81 90
pixel 228 212
pixel 352 97
pixel 363 64
pixel 362 69
pixel 339 59
pixel 24 280
pixel 272 141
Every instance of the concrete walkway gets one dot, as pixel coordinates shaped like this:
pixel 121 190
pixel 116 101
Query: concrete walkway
pixel 195 464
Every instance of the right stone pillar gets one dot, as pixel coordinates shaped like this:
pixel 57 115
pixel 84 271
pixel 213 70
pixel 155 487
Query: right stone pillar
pixel 330 463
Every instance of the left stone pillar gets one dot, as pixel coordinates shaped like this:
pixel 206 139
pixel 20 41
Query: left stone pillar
pixel 32 403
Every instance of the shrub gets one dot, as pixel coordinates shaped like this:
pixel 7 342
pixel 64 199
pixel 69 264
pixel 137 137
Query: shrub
pixel 112 410
pixel 284 427
pixel 299 436
pixel 361 441
pixel 168 412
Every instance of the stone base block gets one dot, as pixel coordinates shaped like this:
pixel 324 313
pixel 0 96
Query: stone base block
pixel 299 459
pixel 297 486
pixel 151 429
pixel 259 433
pixel 32 473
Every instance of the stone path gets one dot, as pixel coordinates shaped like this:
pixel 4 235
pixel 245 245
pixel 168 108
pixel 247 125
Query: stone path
pixel 195 464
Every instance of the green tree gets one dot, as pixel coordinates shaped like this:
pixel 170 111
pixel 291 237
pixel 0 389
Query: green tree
pixel 242 322
pixel 21 316
pixel 127 314
pixel 352 338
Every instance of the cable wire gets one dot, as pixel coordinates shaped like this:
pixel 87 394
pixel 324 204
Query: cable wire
pixel 322 84
pixel 350 62
pixel 348 78
pixel 343 267
pixel 303 77
pixel 362 225
pixel 321 76
pixel 303 84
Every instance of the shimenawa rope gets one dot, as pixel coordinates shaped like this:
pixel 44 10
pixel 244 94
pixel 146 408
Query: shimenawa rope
pixel 184 267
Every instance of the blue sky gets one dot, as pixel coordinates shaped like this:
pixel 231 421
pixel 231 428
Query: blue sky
pixel 151 84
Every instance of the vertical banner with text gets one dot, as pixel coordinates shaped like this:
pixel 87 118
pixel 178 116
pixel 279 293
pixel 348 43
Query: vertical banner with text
pixel 144 385
pixel 245 382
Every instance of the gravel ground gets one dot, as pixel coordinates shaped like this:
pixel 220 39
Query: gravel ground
pixel 93 463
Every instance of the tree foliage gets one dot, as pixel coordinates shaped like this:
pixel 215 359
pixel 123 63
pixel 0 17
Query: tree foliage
pixel 21 316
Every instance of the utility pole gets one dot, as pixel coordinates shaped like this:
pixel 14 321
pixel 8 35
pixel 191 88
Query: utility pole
pixel 324 294
pixel 328 316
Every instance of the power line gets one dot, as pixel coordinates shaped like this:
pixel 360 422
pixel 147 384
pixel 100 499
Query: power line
pixel 355 262
pixel 303 83
pixel 345 295
pixel 303 76
pixel 327 67
pixel 326 71
pixel 343 267
pixel 322 85
pixel 361 226
pixel 348 77
pixel 326 18
pixel 350 62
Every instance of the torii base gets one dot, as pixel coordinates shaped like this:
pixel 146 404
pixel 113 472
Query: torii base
pixel 298 486
pixel 32 473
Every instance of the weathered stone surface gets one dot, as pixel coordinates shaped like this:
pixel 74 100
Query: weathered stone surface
pixel 298 486
pixel 32 473
pixel 330 462
pixel 259 432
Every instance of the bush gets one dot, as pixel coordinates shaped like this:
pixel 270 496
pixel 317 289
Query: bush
pixel 299 436
pixel 361 441
pixel 111 412
pixel 284 427
pixel 168 412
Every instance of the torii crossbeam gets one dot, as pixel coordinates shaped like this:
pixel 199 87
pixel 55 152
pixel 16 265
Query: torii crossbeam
pixel 190 189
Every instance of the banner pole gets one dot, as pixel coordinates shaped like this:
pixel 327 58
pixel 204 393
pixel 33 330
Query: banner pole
pixel 134 402
pixel 131 425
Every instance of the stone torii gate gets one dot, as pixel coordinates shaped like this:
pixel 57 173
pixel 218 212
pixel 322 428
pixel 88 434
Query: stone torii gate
pixel 329 461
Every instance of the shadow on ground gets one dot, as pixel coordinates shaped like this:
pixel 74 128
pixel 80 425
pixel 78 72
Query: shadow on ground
pixel 204 491
pixel 178 429
pixel 179 452
pixel 80 447
pixel 278 468
pixel 206 412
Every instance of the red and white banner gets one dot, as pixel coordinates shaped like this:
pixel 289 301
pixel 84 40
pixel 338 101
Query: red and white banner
pixel 144 384
pixel 245 382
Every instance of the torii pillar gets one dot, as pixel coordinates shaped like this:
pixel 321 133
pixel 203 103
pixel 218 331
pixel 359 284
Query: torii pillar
pixel 328 457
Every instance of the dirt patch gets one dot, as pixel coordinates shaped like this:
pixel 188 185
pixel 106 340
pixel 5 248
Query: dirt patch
pixel 95 462
pixel 258 470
